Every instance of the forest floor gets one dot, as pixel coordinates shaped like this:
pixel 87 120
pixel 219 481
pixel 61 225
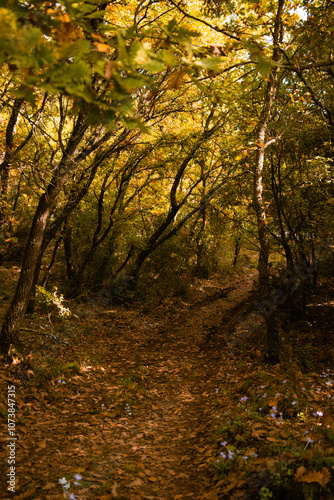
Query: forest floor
pixel 171 403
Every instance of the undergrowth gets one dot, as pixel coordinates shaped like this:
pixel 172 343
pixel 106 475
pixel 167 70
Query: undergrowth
pixel 274 431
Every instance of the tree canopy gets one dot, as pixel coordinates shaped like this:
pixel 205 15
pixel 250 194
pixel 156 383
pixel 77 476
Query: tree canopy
pixel 141 139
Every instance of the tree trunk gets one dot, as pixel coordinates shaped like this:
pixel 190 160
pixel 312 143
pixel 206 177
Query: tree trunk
pixel 236 251
pixel 17 309
pixel 259 203
pixel 19 304
pixel 8 155
pixel 70 267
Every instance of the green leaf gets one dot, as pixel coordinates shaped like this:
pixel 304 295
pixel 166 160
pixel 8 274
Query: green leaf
pixel 208 62
pixel 154 66
pixel 171 25
pixel 168 57
pixel 79 48
pixel 264 68
pixel 97 14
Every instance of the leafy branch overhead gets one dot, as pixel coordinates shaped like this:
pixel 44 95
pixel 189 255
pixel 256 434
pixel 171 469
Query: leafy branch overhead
pixel 84 53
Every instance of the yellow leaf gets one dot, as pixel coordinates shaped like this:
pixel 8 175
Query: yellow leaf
pixel 101 47
pixel 65 18
pixel 98 37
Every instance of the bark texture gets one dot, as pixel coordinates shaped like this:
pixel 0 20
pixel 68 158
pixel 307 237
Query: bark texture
pixel 32 254
pixel 259 202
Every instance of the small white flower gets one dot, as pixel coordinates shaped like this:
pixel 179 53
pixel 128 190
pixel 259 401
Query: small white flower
pixel 65 484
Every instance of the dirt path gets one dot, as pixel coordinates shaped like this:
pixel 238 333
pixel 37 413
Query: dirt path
pixel 137 424
pixel 169 440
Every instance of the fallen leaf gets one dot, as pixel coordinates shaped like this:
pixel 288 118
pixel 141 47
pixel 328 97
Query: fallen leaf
pixel 273 440
pixel 137 482
pixel 321 477
pixel 114 490
pixel 50 486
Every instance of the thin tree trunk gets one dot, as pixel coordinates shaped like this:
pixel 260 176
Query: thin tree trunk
pixel 7 157
pixel 236 251
pixel 260 208
pixel 17 309
pixel 19 304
